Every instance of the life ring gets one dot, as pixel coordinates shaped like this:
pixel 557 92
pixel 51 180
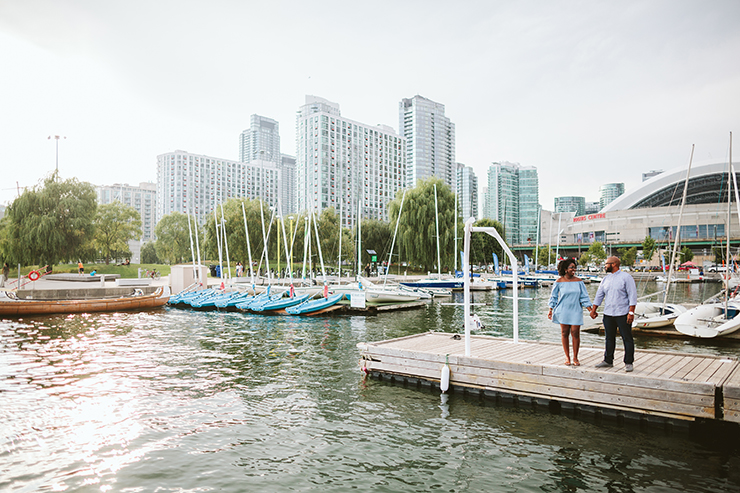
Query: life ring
pixel 34 275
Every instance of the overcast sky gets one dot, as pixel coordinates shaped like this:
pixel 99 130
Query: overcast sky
pixel 588 92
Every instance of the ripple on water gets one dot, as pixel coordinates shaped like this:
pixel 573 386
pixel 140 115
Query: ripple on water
pixel 186 401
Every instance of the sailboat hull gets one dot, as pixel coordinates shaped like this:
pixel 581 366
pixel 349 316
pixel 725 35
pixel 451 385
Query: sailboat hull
pixel 654 315
pixel 708 321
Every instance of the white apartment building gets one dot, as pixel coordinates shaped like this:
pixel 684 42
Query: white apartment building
pixel 286 186
pixel 194 183
pixel 342 163
pixel 467 192
pixel 143 199
pixel 430 141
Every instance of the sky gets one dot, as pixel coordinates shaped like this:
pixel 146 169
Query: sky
pixel 589 92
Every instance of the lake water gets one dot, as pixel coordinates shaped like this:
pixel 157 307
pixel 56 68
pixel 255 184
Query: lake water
pixel 177 400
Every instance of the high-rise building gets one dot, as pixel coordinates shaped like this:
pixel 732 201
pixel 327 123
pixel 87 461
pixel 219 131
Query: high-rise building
pixel 592 207
pixel 341 162
pixel 571 204
pixel 609 192
pixel 194 183
pixel 261 141
pixel 430 141
pixel 286 187
pixel 512 199
pixel 467 192
pixel 143 199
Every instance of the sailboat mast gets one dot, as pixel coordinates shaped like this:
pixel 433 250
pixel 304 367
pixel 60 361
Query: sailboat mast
pixel 677 239
pixel 436 216
pixel 455 235
pixel 729 209
pixel 395 233
pixel 249 248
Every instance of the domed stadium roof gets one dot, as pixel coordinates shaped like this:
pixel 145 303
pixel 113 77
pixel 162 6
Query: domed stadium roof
pixel 707 185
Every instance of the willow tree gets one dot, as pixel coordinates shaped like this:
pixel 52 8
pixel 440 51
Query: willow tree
pixel 50 223
pixel 115 225
pixel 173 238
pixel 417 234
pixel 376 236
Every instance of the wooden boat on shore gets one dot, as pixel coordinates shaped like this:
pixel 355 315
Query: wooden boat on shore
pixel 15 307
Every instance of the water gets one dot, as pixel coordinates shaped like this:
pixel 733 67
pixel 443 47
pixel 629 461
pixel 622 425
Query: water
pixel 176 400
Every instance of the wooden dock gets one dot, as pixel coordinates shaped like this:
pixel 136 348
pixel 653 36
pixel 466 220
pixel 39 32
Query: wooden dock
pixel 670 385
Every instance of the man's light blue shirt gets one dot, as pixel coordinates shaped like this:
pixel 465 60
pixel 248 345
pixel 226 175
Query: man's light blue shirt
pixel 618 292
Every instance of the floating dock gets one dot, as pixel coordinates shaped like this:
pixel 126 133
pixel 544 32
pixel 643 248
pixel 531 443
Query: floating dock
pixel 669 385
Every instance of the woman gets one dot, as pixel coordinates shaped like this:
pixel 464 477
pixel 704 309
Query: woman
pixel 567 301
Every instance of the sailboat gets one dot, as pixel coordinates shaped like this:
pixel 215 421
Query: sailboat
pixel 713 318
pixel 652 315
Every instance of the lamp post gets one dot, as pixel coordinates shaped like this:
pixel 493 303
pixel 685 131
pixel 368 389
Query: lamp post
pixel 57 137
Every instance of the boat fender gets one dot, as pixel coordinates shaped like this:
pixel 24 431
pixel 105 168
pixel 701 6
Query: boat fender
pixel 34 275
pixel 222 286
pixel 444 380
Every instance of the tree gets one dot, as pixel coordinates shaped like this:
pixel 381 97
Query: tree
pixel 376 235
pixel 648 248
pixel 596 251
pixel 417 233
pixel 686 254
pixel 50 223
pixel 149 253
pixel 546 256
pixel 627 256
pixel 483 245
pixel 173 238
pixel 115 225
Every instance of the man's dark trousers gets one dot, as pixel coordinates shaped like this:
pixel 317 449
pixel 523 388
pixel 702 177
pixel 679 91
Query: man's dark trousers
pixel 625 330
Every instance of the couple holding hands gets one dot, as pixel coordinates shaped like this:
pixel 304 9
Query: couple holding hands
pixel 569 297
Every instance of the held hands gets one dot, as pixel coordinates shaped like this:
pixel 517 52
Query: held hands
pixel 593 313
pixel 549 314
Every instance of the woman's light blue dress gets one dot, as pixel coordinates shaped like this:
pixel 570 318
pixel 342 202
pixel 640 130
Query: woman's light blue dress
pixel 567 302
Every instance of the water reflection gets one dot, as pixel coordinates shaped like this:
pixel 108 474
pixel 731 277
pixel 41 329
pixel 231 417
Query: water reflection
pixel 176 400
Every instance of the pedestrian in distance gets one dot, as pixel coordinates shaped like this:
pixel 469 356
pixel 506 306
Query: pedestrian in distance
pixel 619 294
pixel 567 301
pixel 6 274
pixel 80 267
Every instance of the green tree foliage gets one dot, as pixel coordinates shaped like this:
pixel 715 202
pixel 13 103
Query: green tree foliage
pixel 648 248
pixel 417 235
pixel 115 225
pixel 376 235
pixel 596 251
pixel 50 223
pixel 584 259
pixel 233 221
pixel 627 256
pixel 686 254
pixel 483 245
pixel 149 253
pixel 546 256
pixel 173 238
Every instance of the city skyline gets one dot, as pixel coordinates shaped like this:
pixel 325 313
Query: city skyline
pixel 602 92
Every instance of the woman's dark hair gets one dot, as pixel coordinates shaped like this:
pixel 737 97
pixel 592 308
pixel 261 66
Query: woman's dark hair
pixel 564 264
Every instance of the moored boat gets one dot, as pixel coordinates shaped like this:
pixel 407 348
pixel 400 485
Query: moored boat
pixel 10 306
pixel 313 307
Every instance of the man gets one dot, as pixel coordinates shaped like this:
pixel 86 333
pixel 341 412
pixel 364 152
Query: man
pixel 619 294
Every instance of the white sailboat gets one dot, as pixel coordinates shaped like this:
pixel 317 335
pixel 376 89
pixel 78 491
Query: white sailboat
pixel 713 318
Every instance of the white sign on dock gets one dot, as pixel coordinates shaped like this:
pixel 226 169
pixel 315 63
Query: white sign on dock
pixel 357 300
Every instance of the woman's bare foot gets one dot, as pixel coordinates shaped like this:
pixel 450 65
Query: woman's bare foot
pixel 576 362
pixel 567 362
